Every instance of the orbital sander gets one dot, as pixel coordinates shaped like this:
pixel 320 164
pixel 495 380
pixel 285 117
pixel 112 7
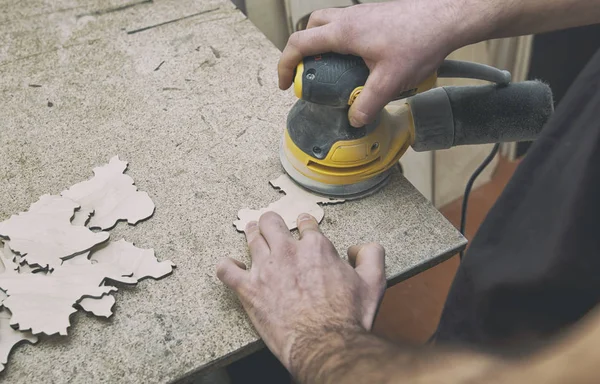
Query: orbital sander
pixel 323 153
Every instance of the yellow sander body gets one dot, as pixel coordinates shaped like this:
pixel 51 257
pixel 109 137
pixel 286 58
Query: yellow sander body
pixel 321 151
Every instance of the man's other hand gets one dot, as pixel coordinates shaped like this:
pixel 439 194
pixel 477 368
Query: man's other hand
pixel 299 289
pixel 402 42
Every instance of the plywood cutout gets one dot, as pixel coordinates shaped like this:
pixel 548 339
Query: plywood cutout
pixel 17 261
pixel 296 201
pixel 10 337
pixel 98 306
pixel 44 302
pixel 7 266
pixel 44 235
pixel 101 307
pixel 8 262
pixel 108 197
pixel 141 262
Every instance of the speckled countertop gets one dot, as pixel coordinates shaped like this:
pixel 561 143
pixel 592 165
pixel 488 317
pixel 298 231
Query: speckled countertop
pixel 194 107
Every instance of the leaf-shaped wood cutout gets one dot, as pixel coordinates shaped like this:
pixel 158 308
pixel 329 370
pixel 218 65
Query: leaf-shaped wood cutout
pixel 10 337
pixel 296 201
pixel 44 234
pixel 111 196
pixel 44 302
pixel 142 262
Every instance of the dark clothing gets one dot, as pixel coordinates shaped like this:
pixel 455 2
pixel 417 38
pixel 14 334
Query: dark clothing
pixel 534 265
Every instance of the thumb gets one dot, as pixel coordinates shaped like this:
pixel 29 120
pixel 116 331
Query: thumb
pixel 377 92
pixel 368 261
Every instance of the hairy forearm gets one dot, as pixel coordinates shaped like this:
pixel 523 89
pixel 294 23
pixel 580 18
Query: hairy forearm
pixel 490 19
pixel 356 356
pixel 349 354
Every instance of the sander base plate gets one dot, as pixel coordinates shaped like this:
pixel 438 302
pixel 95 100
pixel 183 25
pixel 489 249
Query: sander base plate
pixel 337 191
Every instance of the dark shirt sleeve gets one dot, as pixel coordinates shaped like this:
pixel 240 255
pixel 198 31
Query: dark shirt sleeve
pixel 534 265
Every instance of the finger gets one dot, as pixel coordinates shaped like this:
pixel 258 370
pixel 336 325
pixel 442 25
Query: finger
pixel 301 44
pixel 322 16
pixel 256 242
pixel 307 223
pixel 378 91
pixel 368 261
pixel 232 273
pixel 274 230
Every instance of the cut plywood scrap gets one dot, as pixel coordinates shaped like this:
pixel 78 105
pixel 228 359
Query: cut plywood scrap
pixel 142 262
pixel 111 196
pixel 44 234
pixel 44 302
pixel 98 306
pixel 296 201
pixel 10 337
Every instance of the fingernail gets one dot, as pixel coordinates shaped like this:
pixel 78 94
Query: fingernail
pixel 304 217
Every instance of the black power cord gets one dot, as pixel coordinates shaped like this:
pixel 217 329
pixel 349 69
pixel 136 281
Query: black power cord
pixel 469 186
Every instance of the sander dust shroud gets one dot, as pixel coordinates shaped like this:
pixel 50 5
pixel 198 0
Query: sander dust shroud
pixel 323 153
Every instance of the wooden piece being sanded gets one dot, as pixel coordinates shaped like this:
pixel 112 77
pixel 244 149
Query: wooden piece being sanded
pixel 110 196
pixel 296 201
pixel 44 234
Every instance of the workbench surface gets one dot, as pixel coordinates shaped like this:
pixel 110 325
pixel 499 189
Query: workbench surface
pixel 193 106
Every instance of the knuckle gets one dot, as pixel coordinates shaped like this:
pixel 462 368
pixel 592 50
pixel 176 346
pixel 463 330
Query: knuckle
pixel 268 217
pixel 295 39
pixel 342 34
pixel 252 240
pixel 316 15
pixel 312 236
pixel 377 248
pixel 288 249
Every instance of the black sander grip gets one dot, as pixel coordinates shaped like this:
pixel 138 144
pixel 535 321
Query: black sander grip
pixel 449 116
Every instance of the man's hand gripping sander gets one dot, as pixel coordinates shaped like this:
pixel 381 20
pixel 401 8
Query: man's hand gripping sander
pixel 322 152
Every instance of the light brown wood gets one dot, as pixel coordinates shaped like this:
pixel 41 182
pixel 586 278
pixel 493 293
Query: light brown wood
pixel 44 302
pixel 98 306
pixel 108 197
pixel 101 306
pixel 141 262
pixel 295 202
pixel 44 235
pixel 10 337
